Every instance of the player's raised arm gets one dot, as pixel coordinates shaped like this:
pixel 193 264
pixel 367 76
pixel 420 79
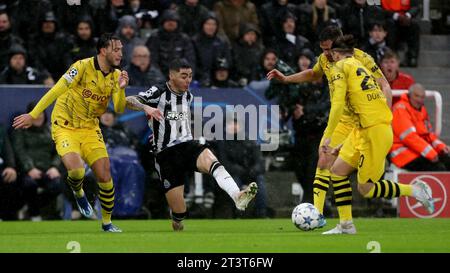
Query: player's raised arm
pixel 304 76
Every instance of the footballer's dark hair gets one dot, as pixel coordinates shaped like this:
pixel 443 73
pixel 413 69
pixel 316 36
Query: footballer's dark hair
pixel 331 32
pixel 105 40
pixel 178 64
pixel 344 44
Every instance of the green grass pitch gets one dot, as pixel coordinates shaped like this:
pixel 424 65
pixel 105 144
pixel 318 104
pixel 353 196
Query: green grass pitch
pixel 225 236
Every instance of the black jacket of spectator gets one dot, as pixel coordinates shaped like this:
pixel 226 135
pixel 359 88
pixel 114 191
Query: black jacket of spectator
pixel 306 24
pixel 107 19
pixel 246 57
pixel 208 50
pixel 270 18
pixel 27 75
pixel 84 48
pixel 29 14
pixel 7 158
pixel 356 20
pixel 376 50
pixel 7 39
pixel 166 46
pixel 191 18
pixel 68 15
pixel 51 50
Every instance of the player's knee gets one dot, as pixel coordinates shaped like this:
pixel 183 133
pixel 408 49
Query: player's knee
pixel 76 174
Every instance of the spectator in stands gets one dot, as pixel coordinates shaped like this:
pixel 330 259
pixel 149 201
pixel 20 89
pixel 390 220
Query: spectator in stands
pixel 39 163
pixel 192 15
pixel 107 18
pixel 356 17
pixel 305 60
pixel 84 42
pixel 140 70
pixel 169 43
pixel 116 133
pixel 232 14
pixel 7 39
pixel 243 160
pixel 416 147
pixel 69 15
pixel 405 27
pixel 9 186
pixel 221 75
pixel 18 72
pixel 268 62
pixel 29 16
pixel 313 18
pixel 271 16
pixel 289 44
pixel 390 65
pixel 376 46
pixel 209 47
pixel 50 49
pixel 247 50
pixel 128 34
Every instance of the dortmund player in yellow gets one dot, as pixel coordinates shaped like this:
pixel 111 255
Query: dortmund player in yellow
pixel 82 95
pixel 341 184
pixel 367 146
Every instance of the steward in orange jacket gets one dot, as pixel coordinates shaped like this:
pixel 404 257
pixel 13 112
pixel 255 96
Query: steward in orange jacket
pixel 414 139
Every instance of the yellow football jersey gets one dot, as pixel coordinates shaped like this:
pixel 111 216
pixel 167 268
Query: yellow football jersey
pixel 323 66
pixel 82 95
pixel 356 89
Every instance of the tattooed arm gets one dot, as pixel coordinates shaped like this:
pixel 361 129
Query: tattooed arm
pixel 133 103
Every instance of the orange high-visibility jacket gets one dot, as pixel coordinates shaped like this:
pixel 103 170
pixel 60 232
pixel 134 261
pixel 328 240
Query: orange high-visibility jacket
pixel 396 5
pixel 413 136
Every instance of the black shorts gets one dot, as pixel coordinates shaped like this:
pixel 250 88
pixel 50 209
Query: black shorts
pixel 177 163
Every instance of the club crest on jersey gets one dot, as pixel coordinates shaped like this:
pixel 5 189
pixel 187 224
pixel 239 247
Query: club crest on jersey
pixel 172 115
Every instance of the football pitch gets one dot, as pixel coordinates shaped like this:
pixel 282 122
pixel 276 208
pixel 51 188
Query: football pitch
pixel 225 236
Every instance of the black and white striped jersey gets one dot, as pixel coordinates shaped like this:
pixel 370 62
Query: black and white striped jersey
pixel 176 127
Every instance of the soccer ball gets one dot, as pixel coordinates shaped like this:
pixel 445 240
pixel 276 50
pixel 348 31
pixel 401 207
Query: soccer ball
pixel 305 216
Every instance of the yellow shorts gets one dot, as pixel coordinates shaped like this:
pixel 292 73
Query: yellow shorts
pixel 88 143
pixel 366 150
pixel 340 134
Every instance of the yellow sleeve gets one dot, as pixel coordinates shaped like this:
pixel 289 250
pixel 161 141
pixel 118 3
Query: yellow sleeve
pixel 119 100
pixel 118 96
pixel 339 82
pixel 317 68
pixel 369 63
pixel 72 76
pixel 57 90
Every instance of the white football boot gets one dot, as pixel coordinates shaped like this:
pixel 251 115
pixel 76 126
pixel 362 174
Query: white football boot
pixel 346 227
pixel 423 194
pixel 246 196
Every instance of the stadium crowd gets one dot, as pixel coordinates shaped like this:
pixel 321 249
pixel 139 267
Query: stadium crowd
pixel 229 43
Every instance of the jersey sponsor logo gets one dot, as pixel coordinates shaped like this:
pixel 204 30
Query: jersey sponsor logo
pixel 172 115
pixel 88 94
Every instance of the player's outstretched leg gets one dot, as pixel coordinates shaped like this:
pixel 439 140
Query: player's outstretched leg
pixel 389 189
pixel 227 183
pixel 75 179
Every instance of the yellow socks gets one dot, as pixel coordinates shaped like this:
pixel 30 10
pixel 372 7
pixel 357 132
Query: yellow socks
pixel 106 197
pixel 320 188
pixel 342 196
pixel 75 180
